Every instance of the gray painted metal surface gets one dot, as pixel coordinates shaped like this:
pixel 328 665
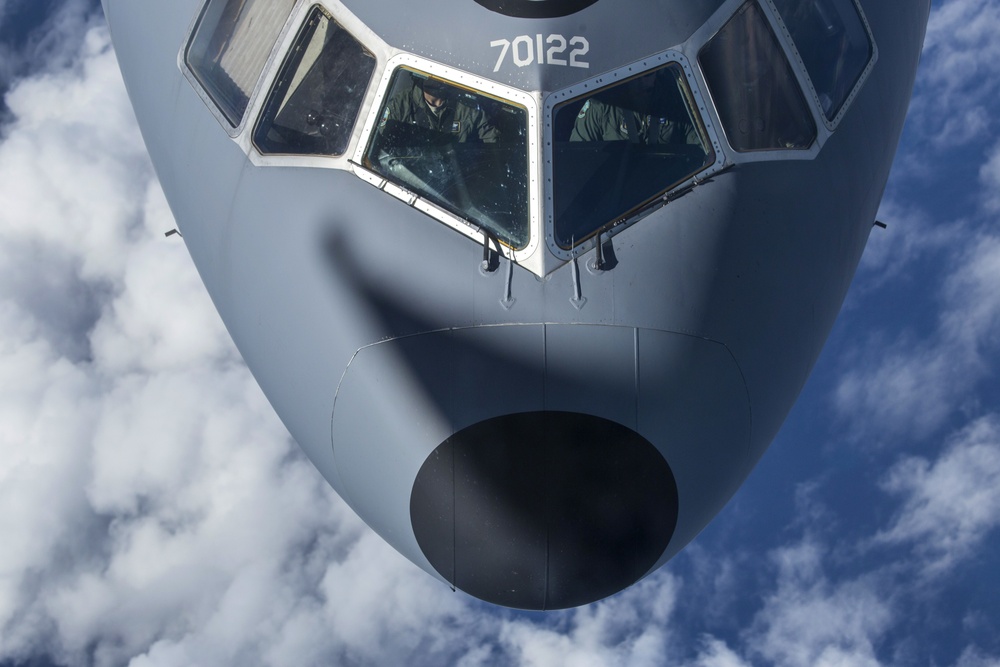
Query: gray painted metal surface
pixel 376 336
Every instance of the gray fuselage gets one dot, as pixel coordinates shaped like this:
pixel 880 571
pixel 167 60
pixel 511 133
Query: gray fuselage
pixel 540 433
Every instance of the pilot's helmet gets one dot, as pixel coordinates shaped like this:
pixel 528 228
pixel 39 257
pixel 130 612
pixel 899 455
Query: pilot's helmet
pixel 437 88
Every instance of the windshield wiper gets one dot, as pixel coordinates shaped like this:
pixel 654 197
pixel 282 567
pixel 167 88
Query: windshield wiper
pixel 671 196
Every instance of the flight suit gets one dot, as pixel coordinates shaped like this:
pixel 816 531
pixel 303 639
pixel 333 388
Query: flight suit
pixel 462 122
pixel 599 121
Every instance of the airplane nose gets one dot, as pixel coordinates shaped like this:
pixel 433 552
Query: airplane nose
pixel 540 466
pixel 544 510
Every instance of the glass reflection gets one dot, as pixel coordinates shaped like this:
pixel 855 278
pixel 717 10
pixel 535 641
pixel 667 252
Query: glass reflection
pixel 229 48
pixel 622 147
pixel 756 93
pixel 316 98
pixel 834 46
pixel 459 148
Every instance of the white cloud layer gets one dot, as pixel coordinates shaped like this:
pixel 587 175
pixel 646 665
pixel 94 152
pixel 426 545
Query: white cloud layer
pixel 908 384
pixel 810 620
pixel 892 254
pixel 972 657
pixel 951 504
pixel 960 74
pixel 154 512
pixel 57 40
pixel 911 385
pixel 989 175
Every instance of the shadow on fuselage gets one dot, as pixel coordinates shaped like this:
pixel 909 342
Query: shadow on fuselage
pixel 521 506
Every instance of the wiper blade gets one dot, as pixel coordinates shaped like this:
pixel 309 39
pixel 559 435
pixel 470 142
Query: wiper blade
pixel 671 196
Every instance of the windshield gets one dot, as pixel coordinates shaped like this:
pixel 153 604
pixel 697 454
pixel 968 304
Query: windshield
pixel 317 95
pixel 622 147
pixel 756 93
pixel 230 46
pixel 461 149
pixel 833 43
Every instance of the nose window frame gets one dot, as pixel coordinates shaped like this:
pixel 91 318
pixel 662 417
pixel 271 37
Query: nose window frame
pixel 410 196
pixel 778 19
pixel 203 72
pixel 697 105
pixel 313 105
pixel 758 96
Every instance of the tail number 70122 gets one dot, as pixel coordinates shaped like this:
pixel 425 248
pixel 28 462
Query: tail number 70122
pixel 545 50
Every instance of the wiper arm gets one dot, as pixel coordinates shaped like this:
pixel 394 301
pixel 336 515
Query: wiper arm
pixel 675 194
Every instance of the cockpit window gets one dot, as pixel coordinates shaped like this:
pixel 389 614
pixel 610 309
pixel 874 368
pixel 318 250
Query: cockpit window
pixel 833 43
pixel 316 98
pixel 621 148
pixel 459 148
pixel 230 46
pixel 758 98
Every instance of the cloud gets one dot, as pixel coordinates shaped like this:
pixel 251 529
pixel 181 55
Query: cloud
pixel 155 513
pixel 894 254
pixel 831 601
pixel 145 484
pixel 972 320
pixel 72 185
pixel 154 510
pixel 811 620
pixel 972 657
pixel 629 629
pixel 49 400
pixel 951 504
pixel 909 378
pixel 911 384
pixel 715 653
pixel 955 96
pixel 36 33
pixel 989 176
pixel 904 394
pixel 860 596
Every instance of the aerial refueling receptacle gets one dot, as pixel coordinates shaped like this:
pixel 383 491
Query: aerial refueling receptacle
pixel 533 284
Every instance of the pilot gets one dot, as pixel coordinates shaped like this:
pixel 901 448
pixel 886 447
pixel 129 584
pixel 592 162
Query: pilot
pixel 433 105
pixel 636 112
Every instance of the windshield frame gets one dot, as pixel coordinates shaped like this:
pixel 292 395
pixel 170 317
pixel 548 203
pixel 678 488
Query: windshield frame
pixel 805 79
pixel 592 86
pixel 276 52
pixel 291 64
pixel 480 86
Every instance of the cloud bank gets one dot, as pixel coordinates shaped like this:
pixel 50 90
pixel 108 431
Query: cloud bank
pixel 154 512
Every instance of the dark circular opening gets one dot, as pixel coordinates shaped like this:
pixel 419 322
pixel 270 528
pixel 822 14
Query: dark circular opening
pixel 544 510
pixel 536 9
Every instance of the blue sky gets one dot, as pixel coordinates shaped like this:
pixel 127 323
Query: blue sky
pixel 154 512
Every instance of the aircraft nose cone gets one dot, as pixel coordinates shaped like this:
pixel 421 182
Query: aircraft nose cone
pixel 544 510
pixel 540 466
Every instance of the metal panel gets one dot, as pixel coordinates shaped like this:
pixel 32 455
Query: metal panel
pixel 402 398
pixel 591 369
pixel 693 406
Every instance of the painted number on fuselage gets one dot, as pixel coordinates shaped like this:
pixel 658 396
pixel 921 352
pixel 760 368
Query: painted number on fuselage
pixel 545 50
